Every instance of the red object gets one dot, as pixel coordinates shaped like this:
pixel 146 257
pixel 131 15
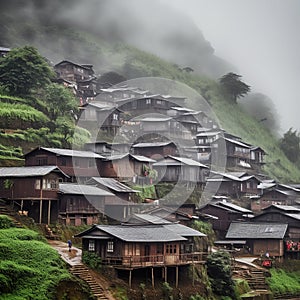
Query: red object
pixel 267 263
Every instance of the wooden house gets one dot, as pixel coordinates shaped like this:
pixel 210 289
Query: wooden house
pixel 174 169
pixel 130 247
pixel 234 184
pixel 282 214
pixel 73 72
pixel 148 104
pixel 105 117
pixel 223 214
pixel 33 190
pixel 81 204
pixel 155 150
pixel 127 167
pixel 276 195
pixel 76 164
pixel 111 94
pixel 260 238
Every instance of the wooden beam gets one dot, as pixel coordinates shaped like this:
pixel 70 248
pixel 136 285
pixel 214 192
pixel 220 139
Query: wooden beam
pixel 130 278
pixel 176 285
pixel 49 212
pixel 152 276
pixel 41 207
pixel 166 274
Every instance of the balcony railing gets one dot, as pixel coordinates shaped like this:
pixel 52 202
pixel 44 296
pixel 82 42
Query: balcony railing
pixel 156 260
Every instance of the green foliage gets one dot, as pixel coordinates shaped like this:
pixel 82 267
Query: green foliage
pixel 29 268
pixel 282 282
pixel 219 271
pixel 197 297
pixel 6 222
pixel 92 260
pixel 167 291
pixel 234 86
pixel 205 228
pixel 24 69
pixel 145 192
pixel 290 145
pixel 60 101
pixel 14 115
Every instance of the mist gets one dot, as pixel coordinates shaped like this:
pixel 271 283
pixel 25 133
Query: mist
pixel 259 37
pixel 255 38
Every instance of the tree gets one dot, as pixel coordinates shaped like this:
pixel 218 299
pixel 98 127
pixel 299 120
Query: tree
pixel 290 145
pixel 24 69
pixel 219 271
pixel 60 101
pixel 234 86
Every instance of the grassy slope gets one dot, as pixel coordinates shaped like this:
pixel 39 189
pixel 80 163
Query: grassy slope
pixel 132 63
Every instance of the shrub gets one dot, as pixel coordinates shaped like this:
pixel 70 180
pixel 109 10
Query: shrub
pixel 92 260
pixel 6 222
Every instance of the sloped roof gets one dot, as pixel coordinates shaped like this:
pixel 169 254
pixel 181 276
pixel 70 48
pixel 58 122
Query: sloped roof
pixel 146 218
pixel 235 207
pixel 69 152
pixel 178 161
pixel 147 233
pixel 31 171
pixel 136 157
pixel 251 230
pixel 285 208
pixel 182 230
pixel 114 184
pixel 82 189
pixel 154 144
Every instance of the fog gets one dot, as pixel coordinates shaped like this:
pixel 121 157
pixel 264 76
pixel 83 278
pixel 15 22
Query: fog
pixel 256 38
pixel 259 37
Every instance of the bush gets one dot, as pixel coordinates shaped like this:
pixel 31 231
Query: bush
pixel 6 222
pixel 92 260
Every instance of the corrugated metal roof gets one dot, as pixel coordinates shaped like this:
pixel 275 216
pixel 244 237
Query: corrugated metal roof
pixel 155 119
pixel 235 207
pixel 28 171
pixel 82 189
pixel 249 230
pixel 147 218
pixel 157 144
pixel 148 233
pixel 294 216
pixel 74 153
pixel 184 231
pixel 114 184
pixel 136 157
pixel 178 161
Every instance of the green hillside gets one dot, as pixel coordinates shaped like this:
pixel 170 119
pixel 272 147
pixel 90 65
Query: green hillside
pixel 84 47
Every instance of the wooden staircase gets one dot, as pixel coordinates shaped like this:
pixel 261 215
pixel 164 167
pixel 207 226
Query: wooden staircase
pixel 8 211
pixel 256 277
pixel 85 274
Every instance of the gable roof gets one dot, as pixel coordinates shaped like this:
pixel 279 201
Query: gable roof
pixel 148 233
pixel 113 184
pixel 135 157
pixel 234 207
pixel 143 233
pixel 153 144
pixel 251 230
pixel 178 161
pixel 68 152
pixel 146 218
pixel 31 171
pixel 82 189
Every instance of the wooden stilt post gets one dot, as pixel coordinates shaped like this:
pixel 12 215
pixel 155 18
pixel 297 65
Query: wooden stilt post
pixel 176 285
pixel 22 203
pixel 152 275
pixel 193 270
pixel 166 274
pixel 41 208
pixel 130 278
pixel 49 212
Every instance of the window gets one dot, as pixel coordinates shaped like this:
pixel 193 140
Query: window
pixel 38 184
pixel 42 161
pixel 115 117
pixel 171 248
pixel 50 184
pixel 110 246
pixel 148 101
pixel 91 245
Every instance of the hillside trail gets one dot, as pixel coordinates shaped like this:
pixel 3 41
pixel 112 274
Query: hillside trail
pixel 73 259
